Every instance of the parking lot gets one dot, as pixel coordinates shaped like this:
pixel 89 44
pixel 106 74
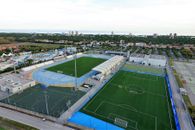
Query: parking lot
pixel 187 75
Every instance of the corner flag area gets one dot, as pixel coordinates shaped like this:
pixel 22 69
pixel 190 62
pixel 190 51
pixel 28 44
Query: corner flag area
pixel 133 101
pixel 84 65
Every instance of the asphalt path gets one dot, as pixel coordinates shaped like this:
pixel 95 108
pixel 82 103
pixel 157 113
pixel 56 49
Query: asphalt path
pixel 30 120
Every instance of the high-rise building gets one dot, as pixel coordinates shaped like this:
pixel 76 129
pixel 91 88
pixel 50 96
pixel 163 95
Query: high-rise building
pixel 155 35
pixel 76 33
pixel 112 33
pixel 130 34
pixel 175 35
pixel 172 36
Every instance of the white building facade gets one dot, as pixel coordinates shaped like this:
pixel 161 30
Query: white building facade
pixel 153 60
pixel 13 83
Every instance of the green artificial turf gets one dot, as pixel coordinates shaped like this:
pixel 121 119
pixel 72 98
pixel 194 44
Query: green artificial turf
pixel 34 99
pixel 141 100
pixel 84 65
pixel 142 68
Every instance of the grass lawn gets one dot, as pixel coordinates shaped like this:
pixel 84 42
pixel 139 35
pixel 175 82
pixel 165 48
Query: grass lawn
pixel 143 68
pixel 84 65
pixel 141 100
pixel 34 99
pixel 6 124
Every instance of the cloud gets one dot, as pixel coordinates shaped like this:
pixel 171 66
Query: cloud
pixel 140 16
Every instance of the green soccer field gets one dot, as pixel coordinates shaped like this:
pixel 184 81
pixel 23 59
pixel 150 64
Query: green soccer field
pixel 84 65
pixel 143 68
pixel 34 99
pixel 139 101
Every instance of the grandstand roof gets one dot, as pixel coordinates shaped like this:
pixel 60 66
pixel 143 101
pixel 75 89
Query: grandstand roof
pixel 109 64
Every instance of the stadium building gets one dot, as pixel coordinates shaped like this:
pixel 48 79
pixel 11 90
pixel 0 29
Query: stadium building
pixel 5 65
pixel 154 60
pixel 109 65
pixel 13 83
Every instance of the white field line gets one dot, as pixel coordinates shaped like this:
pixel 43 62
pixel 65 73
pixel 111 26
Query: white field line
pixel 100 91
pixel 156 123
pixel 104 117
pixel 154 94
pixel 99 106
pixel 127 105
pixel 118 105
pixel 94 113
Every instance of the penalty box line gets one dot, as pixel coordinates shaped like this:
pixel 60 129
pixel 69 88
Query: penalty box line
pixel 101 90
pixel 126 119
pixel 119 105
pixel 106 117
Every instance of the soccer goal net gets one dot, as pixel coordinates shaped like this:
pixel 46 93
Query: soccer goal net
pixel 121 122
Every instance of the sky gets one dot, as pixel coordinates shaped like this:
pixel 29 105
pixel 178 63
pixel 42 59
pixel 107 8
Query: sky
pixel 125 16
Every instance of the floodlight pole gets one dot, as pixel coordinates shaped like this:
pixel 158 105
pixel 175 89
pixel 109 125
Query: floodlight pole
pixel 121 48
pixel 46 103
pixel 8 100
pixel 75 65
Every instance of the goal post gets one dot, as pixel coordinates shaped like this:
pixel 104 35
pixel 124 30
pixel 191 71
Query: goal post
pixel 121 122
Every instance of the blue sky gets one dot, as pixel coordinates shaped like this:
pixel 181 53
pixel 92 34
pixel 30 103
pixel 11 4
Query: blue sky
pixel 130 16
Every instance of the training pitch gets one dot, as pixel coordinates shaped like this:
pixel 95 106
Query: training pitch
pixel 84 65
pixel 34 99
pixel 133 101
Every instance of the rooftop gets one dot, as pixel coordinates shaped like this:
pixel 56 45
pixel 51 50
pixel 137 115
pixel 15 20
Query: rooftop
pixel 158 57
pixel 13 80
pixel 138 55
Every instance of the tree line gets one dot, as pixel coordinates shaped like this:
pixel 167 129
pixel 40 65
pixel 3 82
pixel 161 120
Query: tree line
pixel 163 39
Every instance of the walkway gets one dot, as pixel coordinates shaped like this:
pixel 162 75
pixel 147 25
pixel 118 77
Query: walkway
pixel 182 111
pixel 30 120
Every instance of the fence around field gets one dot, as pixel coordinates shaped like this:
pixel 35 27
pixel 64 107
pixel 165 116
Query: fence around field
pixel 28 112
pixel 81 102
pixel 177 125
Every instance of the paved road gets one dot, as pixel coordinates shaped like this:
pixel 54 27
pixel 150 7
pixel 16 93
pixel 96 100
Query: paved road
pixel 183 114
pixel 31 121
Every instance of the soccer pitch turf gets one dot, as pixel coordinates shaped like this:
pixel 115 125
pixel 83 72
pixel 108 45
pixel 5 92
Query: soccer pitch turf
pixel 34 99
pixel 143 68
pixel 139 100
pixel 84 65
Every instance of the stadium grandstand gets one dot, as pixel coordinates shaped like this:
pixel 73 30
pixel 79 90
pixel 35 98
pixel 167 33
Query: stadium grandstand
pixel 107 66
